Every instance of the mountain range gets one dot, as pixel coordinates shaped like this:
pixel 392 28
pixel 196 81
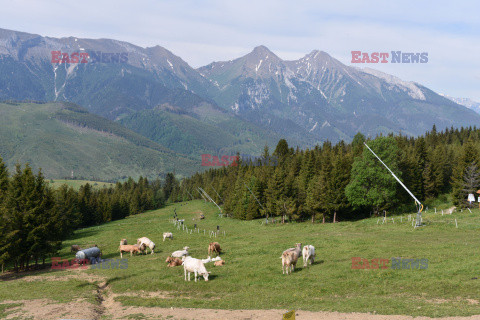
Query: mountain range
pixel 469 103
pixel 328 99
pixel 225 107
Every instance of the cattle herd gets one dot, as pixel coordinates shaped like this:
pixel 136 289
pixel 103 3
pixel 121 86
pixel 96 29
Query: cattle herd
pixel 197 266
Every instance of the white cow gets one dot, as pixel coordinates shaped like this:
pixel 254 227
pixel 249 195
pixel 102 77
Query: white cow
pixel 289 258
pixel 147 242
pixel 196 266
pixel 167 235
pixel 209 259
pixel 180 253
pixel 308 254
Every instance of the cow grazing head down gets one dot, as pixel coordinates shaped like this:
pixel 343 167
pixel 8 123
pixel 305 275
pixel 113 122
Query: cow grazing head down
pixel 205 275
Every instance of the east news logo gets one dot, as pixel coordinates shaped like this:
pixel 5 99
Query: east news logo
pixel 89 57
pixel 392 57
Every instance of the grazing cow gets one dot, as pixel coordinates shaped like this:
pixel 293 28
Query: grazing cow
pixel 219 263
pixel 167 235
pixel 181 253
pixel 214 247
pixel 173 262
pixel 135 248
pixel 207 260
pixel 308 254
pixel 148 243
pixel 196 266
pixel 75 248
pixel 289 258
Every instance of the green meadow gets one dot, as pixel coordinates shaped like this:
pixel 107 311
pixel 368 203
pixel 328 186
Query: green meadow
pixel 76 184
pixel 252 277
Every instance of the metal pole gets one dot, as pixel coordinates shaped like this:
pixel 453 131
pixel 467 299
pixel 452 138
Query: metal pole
pixel 211 199
pixel 266 213
pixel 189 194
pixel 216 192
pixel 254 196
pixel 420 206
pixel 202 195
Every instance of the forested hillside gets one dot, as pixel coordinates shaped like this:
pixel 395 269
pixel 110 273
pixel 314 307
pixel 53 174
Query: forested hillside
pixel 345 180
pixel 62 138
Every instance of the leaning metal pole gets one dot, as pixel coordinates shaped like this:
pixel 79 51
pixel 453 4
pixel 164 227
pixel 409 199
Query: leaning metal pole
pixel 210 198
pixel 420 206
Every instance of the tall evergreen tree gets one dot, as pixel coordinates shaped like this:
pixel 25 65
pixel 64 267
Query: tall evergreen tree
pixel 467 157
pixel 4 181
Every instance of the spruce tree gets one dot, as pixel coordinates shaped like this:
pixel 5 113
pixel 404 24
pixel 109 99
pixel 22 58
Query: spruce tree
pixel 4 181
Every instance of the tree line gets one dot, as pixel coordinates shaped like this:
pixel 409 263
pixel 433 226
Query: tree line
pixel 345 181
pixel 35 218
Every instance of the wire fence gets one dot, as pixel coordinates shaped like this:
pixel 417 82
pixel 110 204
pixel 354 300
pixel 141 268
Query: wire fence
pixel 179 224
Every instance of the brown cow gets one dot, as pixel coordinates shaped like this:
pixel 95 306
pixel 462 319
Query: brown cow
pixel 135 248
pixel 214 247
pixel 173 262
pixel 219 263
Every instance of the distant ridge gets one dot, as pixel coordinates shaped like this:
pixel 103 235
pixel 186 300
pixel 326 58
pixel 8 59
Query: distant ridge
pixel 63 137
pixel 264 98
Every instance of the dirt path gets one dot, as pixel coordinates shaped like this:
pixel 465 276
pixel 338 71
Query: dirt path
pixel 107 308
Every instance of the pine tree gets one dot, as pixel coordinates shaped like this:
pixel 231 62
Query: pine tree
pixel 276 192
pixel 169 186
pixel 420 162
pixel 467 157
pixel 357 144
pixel 87 206
pixel 471 181
pixel 313 204
pixel 19 211
pixel 4 181
pixel 66 210
pixel 43 237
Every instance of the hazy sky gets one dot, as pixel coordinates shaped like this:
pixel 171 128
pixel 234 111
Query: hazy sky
pixel 204 31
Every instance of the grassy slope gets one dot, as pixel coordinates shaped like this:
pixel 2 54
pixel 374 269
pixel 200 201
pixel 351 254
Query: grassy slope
pixel 76 184
pixel 203 130
pixel 61 138
pixel 252 277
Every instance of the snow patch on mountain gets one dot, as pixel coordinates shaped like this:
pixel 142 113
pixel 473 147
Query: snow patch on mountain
pixel 466 102
pixel 409 87
pixel 258 66
pixel 326 124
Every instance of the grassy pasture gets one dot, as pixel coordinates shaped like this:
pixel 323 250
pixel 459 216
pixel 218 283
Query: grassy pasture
pixel 252 277
pixel 76 184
